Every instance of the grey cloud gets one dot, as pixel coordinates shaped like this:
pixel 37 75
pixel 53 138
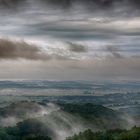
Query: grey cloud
pixel 114 51
pixel 97 4
pixel 94 69
pixel 75 24
pixel 77 47
pixel 66 3
pixel 69 3
pixel 9 3
pixel 93 5
pixel 126 6
pixel 20 49
pixel 14 50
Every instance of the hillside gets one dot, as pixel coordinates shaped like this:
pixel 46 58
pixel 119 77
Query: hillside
pixel 57 121
pixel 133 134
pixel 20 109
pixel 96 115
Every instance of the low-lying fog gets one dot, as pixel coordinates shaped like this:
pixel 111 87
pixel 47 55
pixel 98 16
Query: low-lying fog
pixel 61 124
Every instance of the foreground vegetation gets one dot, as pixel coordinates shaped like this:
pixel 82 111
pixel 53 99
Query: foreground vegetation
pixel 31 124
pixel 30 129
pixel 27 131
pixel 133 134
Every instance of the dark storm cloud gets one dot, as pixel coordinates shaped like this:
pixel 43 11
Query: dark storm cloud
pixel 60 26
pixel 9 3
pixel 114 51
pixel 97 4
pixel 20 49
pixel 77 47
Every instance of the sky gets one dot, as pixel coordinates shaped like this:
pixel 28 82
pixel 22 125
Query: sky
pixel 70 39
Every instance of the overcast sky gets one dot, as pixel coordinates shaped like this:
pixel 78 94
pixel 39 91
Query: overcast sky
pixel 70 39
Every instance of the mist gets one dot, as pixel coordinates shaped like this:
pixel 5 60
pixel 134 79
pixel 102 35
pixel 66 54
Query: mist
pixel 60 123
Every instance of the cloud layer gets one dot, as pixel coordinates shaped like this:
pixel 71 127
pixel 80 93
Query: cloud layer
pixel 20 49
pixel 77 48
pixel 69 3
pixel 80 38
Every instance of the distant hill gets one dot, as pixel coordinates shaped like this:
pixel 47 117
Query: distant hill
pixel 96 115
pixel 20 109
pixel 89 115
